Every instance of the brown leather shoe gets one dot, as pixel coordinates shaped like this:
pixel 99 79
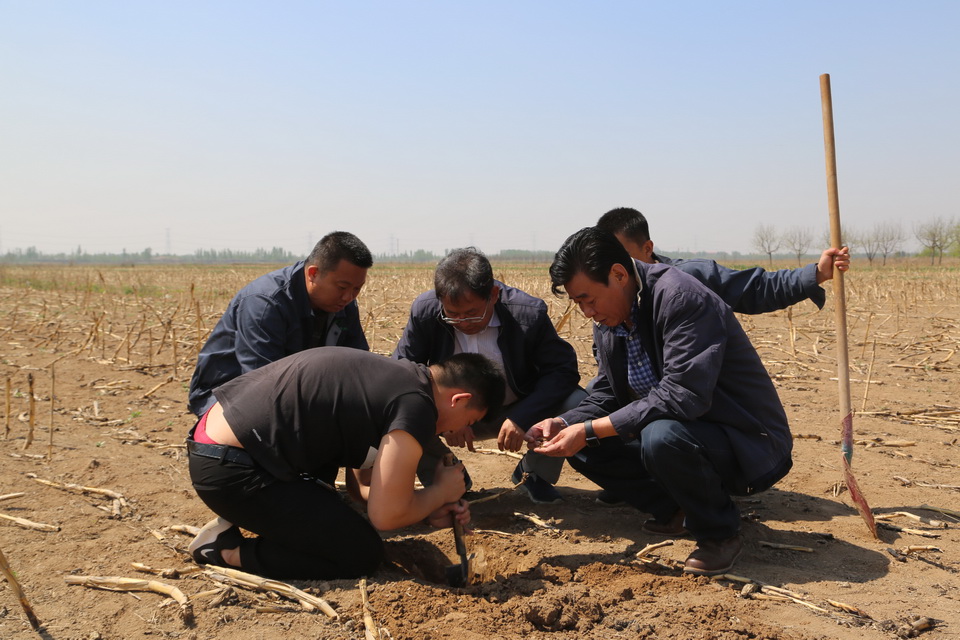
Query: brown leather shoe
pixel 713 557
pixel 672 527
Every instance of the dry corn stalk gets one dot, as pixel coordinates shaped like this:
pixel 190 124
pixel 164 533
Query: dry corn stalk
pixel 157 386
pixel 940 524
pixel 651 547
pixel 768 591
pixel 251 581
pixel 184 528
pixel 917 548
pixel 493 496
pixel 946 512
pixel 535 520
pixel 66 486
pixel 916 532
pixel 53 388
pixel 32 405
pixel 135 584
pixel 6 427
pixel 566 316
pixel 488 452
pixel 21 596
pixel 369 626
pixel 166 573
pixel 29 524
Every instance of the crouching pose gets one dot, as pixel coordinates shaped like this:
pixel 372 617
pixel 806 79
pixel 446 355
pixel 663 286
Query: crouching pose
pixel 266 455
pixel 683 414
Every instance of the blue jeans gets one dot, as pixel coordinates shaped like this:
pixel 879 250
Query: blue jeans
pixel 672 465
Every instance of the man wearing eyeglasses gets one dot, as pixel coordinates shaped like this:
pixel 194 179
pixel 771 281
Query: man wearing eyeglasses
pixel 470 312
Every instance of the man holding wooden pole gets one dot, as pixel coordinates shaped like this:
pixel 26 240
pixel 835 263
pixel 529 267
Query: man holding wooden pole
pixel 747 291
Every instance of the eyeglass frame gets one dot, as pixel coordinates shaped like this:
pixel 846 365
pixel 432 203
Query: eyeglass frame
pixel 456 321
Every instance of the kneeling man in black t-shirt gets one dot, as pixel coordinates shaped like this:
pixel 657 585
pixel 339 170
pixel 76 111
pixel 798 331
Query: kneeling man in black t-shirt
pixel 266 455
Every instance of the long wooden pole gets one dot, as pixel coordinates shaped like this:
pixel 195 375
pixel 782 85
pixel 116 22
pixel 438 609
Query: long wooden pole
pixel 840 304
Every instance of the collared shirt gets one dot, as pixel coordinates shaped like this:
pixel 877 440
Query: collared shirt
pixel 640 375
pixel 485 343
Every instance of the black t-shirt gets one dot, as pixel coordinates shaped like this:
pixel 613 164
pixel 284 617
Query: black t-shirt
pixel 323 407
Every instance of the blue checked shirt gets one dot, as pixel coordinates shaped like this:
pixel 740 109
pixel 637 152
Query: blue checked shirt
pixel 640 373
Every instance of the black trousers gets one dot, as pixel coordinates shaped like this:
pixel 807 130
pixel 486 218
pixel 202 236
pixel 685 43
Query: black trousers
pixel 305 530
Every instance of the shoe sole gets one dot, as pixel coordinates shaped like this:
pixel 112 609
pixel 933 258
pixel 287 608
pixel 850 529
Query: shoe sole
pixel 209 533
pixel 610 505
pixel 526 490
pixel 715 572
pixel 682 533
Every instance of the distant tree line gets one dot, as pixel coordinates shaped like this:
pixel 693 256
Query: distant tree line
pixel 507 255
pixel 147 256
pixel 937 238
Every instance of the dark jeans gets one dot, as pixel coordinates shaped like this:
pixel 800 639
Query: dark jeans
pixel 672 465
pixel 305 530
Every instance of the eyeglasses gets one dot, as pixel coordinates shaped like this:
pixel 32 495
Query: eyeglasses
pixel 456 321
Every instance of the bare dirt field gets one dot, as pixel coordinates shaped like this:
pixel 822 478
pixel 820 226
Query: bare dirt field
pixel 110 352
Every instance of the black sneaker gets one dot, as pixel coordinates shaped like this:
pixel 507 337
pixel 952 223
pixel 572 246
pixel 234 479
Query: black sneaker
pixel 214 537
pixel 607 499
pixel 537 489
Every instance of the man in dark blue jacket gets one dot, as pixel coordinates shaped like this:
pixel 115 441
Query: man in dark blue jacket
pixel 683 414
pixel 746 291
pixel 309 304
pixel 749 291
pixel 469 311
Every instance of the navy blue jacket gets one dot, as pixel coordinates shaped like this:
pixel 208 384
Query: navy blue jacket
pixel 541 367
pixel 754 290
pixel 268 319
pixel 708 371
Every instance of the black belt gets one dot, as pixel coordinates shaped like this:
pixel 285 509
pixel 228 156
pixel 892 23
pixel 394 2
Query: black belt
pixel 222 452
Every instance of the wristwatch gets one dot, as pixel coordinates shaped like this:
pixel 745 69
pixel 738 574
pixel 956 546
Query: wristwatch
pixel 592 439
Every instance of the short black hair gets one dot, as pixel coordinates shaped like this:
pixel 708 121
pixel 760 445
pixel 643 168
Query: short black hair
pixel 463 270
pixel 476 374
pixel 626 221
pixel 337 246
pixel 591 251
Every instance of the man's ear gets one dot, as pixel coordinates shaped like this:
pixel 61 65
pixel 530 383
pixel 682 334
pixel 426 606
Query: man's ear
pixel 618 273
pixel 311 271
pixel 647 251
pixel 463 396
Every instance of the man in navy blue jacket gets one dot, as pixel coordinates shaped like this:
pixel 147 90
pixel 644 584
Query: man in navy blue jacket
pixel 309 304
pixel 683 414
pixel 469 311
pixel 748 291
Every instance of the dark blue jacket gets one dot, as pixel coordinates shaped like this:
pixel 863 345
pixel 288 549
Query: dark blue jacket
pixel 541 367
pixel 268 319
pixel 754 290
pixel 708 371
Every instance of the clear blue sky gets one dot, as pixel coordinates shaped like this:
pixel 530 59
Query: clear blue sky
pixel 181 125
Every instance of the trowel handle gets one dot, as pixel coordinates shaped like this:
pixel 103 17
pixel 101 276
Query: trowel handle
pixel 448 461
